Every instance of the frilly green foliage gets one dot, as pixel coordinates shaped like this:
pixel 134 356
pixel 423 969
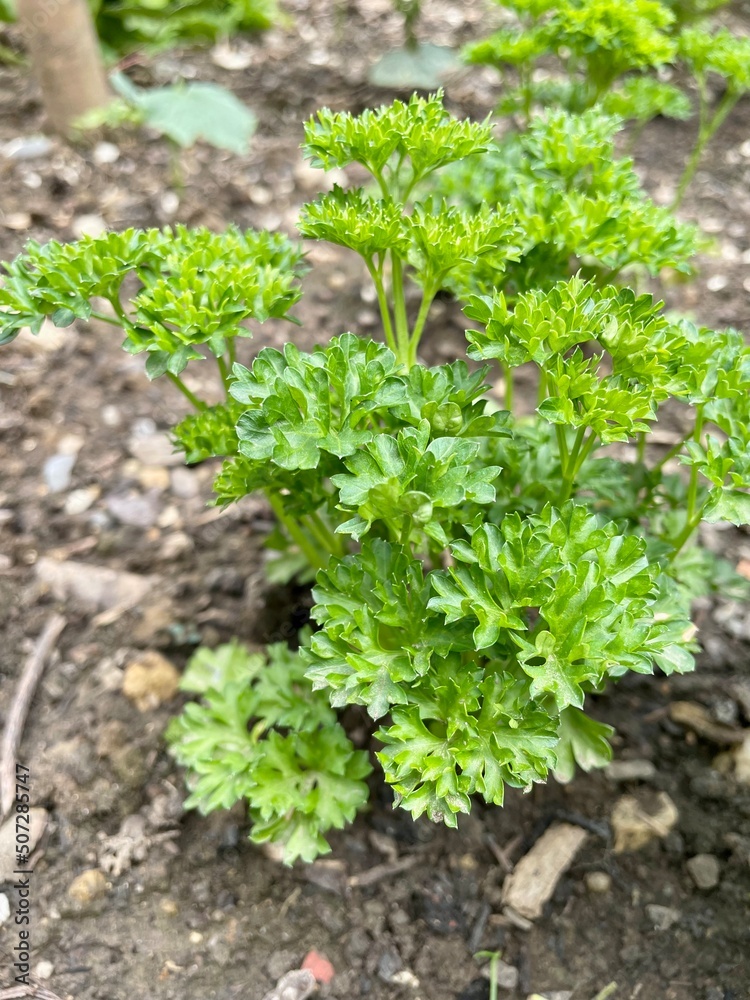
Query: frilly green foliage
pixel 477 572
pixel 260 733
pixel 578 207
pixel 196 287
pixel 596 44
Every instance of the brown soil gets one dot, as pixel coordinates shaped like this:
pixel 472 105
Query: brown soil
pixel 203 914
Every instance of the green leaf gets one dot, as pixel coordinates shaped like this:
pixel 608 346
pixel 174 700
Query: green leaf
pixel 728 505
pixel 298 784
pixel 421 67
pixel 188 112
pixel 216 668
pixel 584 743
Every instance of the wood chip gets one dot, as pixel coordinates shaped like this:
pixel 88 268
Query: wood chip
pixel 635 824
pixel 99 587
pixel 699 719
pixel 379 872
pixel 536 875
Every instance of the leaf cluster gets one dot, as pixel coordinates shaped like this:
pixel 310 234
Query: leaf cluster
pixel 596 44
pixel 196 288
pixel 577 205
pixel 261 734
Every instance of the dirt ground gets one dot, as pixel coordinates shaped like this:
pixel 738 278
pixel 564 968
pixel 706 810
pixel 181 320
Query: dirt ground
pixel 190 909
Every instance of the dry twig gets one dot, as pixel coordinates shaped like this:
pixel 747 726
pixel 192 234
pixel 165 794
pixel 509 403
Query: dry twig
pixel 379 872
pixel 30 675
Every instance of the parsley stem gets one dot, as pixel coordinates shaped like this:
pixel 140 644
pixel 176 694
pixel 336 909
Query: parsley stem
pixel 385 312
pixel 177 381
pixel 224 372
pixel 685 534
pixel 641 447
pixel 105 319
pixel 508 376
pixel 706 132
pixel 674 450
pixel 399 309
pixel 406 531
pixel 316 559
pixel 322 532
pixel 416 335
pixel 575 460
pixel 232 348
pixel 693 517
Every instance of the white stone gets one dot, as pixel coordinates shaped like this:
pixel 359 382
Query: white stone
pixel 44 969
pixel 106 152
pixel 88 225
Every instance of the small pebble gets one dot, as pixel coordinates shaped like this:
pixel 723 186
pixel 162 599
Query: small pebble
pixel 389 964
pixel 175 545
pixel 150 680
pixel 598 882
pixel 319 965
pixel 135 509
pixel 111 416
pixel 88 887
pixel 4 909
pixel 184 483
pixel 662 917
pixel 88 225
pixel 226 56
pixel 704 870
pixel 79 501
pixel 195 937
pixel 630 770
pixel 296 985
pixel 58 472
pixel 153 477
pixel 717 282
pixel 105 153
pixel 27 147
pixel 169 202
pixel 17 221
pixel 154 448
pixel 44 969
pixel 507 975
pixel 280 963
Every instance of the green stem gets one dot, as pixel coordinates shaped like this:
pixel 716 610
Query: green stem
pixel 406 531
pixel 224 372
pixel 674 450
pixel 327 538
pixel 641 447
pixel 295 532
pixel 232 348
pixel 580 451
pixel 385 312
pixel 693 516
pixel 105 319
pixel 399 309
pixel 508 376
pixel 428 294
pixel 562 447
pixel 177 381
pixel 706 132
pixel 542 386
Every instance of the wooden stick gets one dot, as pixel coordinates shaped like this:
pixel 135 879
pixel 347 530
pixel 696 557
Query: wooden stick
pixel 14 723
